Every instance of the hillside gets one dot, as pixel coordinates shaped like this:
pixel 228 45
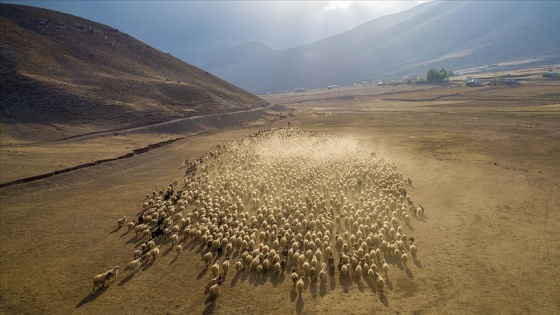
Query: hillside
pixel 450 34
pixel 58 69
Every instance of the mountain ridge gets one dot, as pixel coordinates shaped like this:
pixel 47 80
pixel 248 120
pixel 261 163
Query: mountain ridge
pixel 449 34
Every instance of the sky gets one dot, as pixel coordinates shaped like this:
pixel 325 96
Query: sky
pixel 184 28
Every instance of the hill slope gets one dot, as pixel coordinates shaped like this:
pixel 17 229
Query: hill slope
pixel 449 34
pixel 61 69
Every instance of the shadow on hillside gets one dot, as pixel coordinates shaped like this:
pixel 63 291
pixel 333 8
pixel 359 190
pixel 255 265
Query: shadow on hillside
pixel 91 297
pixel 417 263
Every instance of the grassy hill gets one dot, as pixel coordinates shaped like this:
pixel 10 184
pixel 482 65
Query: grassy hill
pixel 61 70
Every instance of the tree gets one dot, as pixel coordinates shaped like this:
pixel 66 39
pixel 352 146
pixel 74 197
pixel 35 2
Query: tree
pixel 435 76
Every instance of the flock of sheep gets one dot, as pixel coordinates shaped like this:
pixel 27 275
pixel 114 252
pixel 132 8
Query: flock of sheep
pixel 283 201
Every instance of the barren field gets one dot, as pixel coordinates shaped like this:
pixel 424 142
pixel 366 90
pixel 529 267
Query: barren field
pixel 483 162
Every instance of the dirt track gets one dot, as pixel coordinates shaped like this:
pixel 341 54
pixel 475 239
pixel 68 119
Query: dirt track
pixel 488 177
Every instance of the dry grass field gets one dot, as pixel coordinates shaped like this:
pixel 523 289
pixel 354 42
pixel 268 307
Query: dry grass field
pixel 483 161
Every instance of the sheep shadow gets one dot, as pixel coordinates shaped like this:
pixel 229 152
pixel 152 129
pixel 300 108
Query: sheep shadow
pixel 293 294
pixel 299 305
pixel 115 230
pixel 389 284
pixel 371 285
pixel 235 279
pixel 361 286
pixel 132 240
pixel 202 273
pixel 409 226
pixel 174 260
pixel 277 280
pixel 147 265
pixel 126 279
pixel 344 283
pixel 125 233
pixel 210 307
pixel 417 263
pixel 167 251
pixel 91 297
pixel 408 272
pixel 333 283
pixel 323 289
pixel 383 299
pixel 313 289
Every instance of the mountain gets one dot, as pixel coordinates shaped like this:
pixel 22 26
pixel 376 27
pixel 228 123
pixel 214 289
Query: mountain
pixel 57 68
pixel 450 34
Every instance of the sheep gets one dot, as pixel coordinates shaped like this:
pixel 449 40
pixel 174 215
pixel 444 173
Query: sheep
pixel 217 280
pixel 225 266
pixel 130 225
pixel 296 205
pixel 380 283
pixel 413 251
pixel 215 269
pixel 174 239
pixel 294 276
pixel 299 285
pixel 179 248
pixel 134 265
pixel 277 269
pixel 154 253
pixel 239 265
pixel 323 274
pixel 385 268
pixel 207 258
pixel 214 291
pixel 100 279
pixel 121 222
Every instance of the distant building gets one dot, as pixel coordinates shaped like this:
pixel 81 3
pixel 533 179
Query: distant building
pixel 551 74
pixel 300 90
pixel 473 82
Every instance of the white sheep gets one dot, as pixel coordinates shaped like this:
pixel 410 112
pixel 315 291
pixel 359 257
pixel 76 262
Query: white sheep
pixel 214 291
pixel 100 279
pixel 225 266
pixel 299 285
pixel 215 269
pixel 134 265
pixel 179 248
pixel 121 222
pixel 130 225
pixel 413 251
pixel 207 258
pixel 380 283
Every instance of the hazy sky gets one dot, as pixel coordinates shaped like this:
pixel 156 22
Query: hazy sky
pixel 186 27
